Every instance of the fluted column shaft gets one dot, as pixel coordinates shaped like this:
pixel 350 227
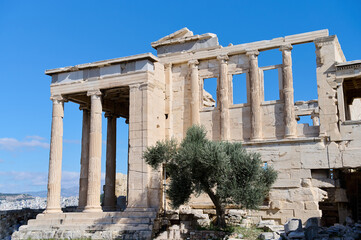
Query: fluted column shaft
pixel 224 101
pixel 195 91
pixel 169 99
pixel 84 160
pixel 110 175
pixel 289 109
pixel 55 157
pixel 95 152
pixel 256 111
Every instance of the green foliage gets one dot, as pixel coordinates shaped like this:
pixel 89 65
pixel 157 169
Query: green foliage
pixel 247 233
pixel 162 152
pixel 223 170
pixel 250 233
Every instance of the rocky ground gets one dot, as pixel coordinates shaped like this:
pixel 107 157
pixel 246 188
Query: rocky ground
pixel 294 229
pixel 17 209
pixel 33 203
pixel 11 220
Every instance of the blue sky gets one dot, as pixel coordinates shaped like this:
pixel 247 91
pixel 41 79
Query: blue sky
pixel 39 35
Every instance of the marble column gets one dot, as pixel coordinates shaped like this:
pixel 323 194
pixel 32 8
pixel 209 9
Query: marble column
pixel 169 100
pixel 110 175
pixel 315 119
pixel 84 159
pixel 289 109
pixel 195 102
pixel 224 99
pixel 138 170
pixel 256 110
pixel 55 157
pixel 95 153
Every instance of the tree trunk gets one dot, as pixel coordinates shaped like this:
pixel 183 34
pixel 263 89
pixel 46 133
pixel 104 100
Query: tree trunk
pixel 221 216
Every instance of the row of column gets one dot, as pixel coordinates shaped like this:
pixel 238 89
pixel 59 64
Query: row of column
pixel 255 94
pixel 90 173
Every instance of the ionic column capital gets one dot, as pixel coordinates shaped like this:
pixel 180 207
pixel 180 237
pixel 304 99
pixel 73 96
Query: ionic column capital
pixel 193 62
pixel 95 92
pixel 167 66
pixel 58 98
pixel 147 86
pixel 134 87
pixel 252 52
pixel 286 47
pixel 223 58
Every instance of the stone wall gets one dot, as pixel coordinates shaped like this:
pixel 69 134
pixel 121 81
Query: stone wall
pixel 11 220
pixel 293 149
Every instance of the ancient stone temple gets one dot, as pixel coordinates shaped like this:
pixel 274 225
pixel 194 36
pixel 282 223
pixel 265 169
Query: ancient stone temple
pixel 161 96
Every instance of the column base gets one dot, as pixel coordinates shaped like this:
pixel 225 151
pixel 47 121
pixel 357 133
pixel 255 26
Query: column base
pixel 52 210
pixel 256 139
pixel 80 209
pixel 290 136
pixel 89 209
pixel 140 209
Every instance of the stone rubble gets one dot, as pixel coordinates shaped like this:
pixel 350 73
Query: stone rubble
pixel 293 229
pixel 185 223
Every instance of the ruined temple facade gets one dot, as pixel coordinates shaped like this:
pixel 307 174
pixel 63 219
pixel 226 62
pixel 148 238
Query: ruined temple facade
pixel 161 96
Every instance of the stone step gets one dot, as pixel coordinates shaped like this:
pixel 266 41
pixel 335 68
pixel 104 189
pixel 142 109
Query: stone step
pixel 83 227
pixel 88 221
pixel 125 214
pixel 78 234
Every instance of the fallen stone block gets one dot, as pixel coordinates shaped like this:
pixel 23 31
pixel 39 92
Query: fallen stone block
pixel 293 225
pixel 264 223
pixel 296 235
pixel 266 236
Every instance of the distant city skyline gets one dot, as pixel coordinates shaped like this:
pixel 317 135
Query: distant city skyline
pixel 40 35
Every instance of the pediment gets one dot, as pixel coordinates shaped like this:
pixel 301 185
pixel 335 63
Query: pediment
pixel 182 33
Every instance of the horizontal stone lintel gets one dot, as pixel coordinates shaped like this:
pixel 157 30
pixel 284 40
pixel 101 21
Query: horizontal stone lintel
pixel 120 80
pixel 139 57
pixel 282 141
pixel 243 48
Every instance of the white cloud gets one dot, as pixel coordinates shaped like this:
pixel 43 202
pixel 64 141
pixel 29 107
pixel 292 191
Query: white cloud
pixel 35 137
pixel 33 181
pixel 12 144
pixel 31 178
pixel 69 179
pixel 16 182
pixel 20 181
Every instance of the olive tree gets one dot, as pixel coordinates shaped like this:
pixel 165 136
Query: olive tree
pixel 223 170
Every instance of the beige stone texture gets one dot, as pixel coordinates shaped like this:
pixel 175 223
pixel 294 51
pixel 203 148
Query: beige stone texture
pixel 55 159
pixel 110 175
pixel 84 161
pixel 95 151
pixel 121 184
pixel 311 205
pixel 289 109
